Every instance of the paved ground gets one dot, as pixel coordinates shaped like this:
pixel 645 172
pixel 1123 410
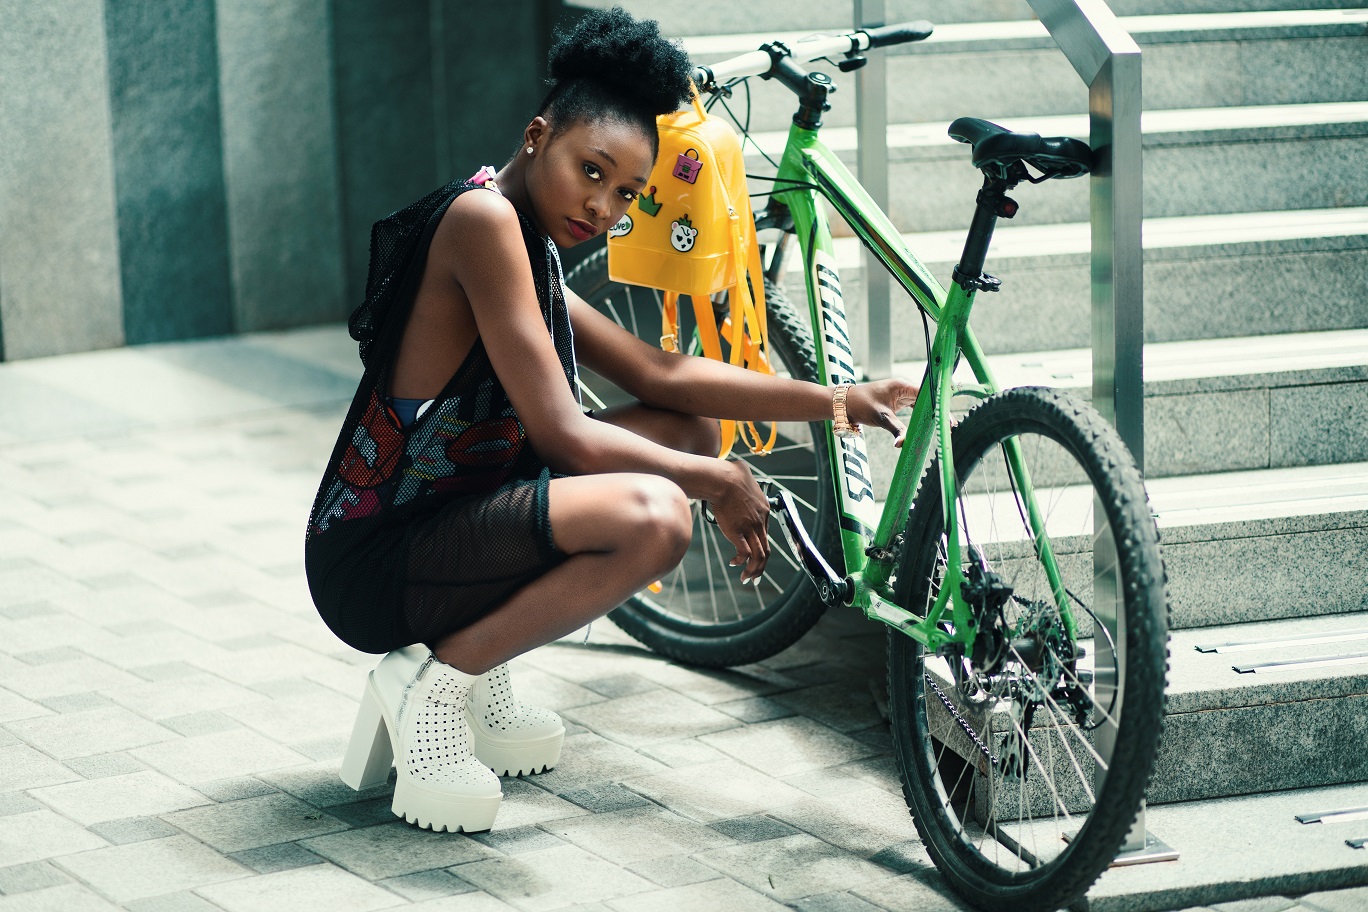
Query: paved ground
pixel 172 712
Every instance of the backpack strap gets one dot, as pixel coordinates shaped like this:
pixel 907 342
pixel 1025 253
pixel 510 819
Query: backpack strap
pixel 745 328
pixel 669 322
pixel 752 315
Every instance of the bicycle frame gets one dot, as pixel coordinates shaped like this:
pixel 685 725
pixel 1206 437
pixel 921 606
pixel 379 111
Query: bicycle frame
pixel 868 540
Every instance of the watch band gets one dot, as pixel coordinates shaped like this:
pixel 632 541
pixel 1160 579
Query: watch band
pixel 841 425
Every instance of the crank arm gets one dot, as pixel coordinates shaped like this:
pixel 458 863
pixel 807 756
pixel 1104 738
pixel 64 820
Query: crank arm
pixel 831 589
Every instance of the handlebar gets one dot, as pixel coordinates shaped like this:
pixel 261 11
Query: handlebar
pixel 903 32
pixel 765 61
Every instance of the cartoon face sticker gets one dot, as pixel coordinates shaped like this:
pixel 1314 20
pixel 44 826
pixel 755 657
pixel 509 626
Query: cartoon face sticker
pixel 622 228
pixel 682 234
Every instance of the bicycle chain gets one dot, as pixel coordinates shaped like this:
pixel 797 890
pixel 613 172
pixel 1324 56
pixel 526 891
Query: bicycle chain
pixel 961 721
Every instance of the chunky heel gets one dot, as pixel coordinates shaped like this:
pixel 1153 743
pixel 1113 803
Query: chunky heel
pixel 415 706
pixel 369 753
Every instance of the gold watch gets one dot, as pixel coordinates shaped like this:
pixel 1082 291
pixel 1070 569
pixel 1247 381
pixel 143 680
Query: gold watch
pixel 841 426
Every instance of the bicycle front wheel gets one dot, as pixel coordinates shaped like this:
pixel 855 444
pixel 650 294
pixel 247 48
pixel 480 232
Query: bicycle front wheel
pixel 1025 761
pixel 702 614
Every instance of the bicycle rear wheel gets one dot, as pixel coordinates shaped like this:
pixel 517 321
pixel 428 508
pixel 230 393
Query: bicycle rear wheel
pixel 1003 752
pixel 702 614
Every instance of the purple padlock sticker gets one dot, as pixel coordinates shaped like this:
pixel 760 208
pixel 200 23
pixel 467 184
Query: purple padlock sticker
pixel 686 168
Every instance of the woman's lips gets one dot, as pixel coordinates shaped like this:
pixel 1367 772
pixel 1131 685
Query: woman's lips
pixel 581 229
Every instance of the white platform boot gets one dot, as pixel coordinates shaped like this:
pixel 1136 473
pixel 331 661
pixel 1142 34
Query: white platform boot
pixel 512 738
pixel 414 709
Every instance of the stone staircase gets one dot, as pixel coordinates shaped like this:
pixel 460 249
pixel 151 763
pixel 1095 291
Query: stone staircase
pixel 1256 297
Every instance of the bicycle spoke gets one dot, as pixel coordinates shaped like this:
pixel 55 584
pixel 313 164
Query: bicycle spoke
pixel 726 577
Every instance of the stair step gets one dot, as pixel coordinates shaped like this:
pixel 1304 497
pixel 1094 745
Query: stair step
pixel 1250 546
pixel 1237 363
pixel 1197 161
pixel 1233 730
pixel 1166 28
pixel 1239 848
pixel 1221 405
pixel 721 16
pixel 1190 61
pixel 1216 506
pixel 908 141
pixel 1291 713
pixel 1203 276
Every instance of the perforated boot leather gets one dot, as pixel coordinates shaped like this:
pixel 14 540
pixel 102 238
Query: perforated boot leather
pixel 414 711
pixel 512 738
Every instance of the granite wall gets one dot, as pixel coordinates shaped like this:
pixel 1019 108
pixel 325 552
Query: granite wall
pixel 193 168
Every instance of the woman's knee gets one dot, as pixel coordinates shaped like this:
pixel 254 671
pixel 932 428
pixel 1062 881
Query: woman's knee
pixel 703 436
pixel 659 512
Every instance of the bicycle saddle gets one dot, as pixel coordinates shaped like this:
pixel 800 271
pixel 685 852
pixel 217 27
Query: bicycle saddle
pixel 996 148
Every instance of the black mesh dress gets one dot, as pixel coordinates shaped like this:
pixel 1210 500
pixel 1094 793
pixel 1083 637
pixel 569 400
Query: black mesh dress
pixel 418 531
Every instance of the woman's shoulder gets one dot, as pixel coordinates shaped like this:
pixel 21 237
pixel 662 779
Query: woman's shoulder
pixel 483 212
pixel 480 226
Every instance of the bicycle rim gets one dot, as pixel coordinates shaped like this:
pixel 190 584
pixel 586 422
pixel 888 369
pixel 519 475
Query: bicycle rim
pixel 1003 752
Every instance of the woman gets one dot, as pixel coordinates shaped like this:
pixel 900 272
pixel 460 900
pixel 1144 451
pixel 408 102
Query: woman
pixel 471 504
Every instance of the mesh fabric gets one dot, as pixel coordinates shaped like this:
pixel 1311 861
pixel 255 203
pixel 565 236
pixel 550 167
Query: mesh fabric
pixel 418 530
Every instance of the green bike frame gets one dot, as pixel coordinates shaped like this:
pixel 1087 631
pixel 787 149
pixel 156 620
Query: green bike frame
pixel 867 537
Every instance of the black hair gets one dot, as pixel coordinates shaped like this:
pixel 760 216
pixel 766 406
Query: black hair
pixel 610 65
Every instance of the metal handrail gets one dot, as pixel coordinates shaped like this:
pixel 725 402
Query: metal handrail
pixel 1107 59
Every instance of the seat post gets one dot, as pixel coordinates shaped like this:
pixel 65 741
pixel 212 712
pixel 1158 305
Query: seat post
pixel 991 204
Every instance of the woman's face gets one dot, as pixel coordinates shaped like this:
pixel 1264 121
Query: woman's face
pixel 585 175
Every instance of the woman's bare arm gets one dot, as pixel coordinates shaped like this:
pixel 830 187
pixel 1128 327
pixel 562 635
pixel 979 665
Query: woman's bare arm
pixel 702 386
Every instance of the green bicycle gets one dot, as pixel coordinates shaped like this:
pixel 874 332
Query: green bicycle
pixel 1023 589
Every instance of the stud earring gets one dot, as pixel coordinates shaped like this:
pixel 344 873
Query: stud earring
pixel 529 150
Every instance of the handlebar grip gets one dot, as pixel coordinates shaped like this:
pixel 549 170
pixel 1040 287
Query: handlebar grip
pixel 901 33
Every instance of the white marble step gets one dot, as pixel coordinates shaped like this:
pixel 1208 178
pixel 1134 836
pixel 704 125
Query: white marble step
pixel 714 46
pixel 1076 237
pixel 1171 361
pixel 1248 851
pixel 1206 500
pixel 907 136
pixel 1231 497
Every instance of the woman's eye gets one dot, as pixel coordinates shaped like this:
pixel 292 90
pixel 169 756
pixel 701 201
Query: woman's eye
pixel 593 172
pixel 629 195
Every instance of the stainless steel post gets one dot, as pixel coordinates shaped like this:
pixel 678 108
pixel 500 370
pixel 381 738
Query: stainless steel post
pixel 871 127
pixel 1108 60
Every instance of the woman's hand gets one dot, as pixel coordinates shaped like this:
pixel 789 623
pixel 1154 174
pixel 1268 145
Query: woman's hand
pixel 742 514
pixel 875 403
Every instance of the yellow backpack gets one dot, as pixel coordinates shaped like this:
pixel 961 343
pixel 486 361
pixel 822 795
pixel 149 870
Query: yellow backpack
pixel 692 232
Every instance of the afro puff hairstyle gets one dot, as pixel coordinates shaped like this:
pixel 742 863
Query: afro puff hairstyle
pixel 610 65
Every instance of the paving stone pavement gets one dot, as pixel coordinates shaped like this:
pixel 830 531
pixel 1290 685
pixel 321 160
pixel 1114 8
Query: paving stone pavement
pixel 173 713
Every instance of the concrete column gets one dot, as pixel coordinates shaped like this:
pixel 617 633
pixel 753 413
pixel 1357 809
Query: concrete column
pixel 280 163
pixel 488 92
pixel 59 243
pixel 168 169
pixel 382 66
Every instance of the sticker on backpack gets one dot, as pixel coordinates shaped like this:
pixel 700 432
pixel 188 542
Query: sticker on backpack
pixel 682 234
pixel 688 167
pixel 646 202
pixel 622 228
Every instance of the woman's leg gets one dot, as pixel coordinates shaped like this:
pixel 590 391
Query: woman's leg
pixel 622 532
